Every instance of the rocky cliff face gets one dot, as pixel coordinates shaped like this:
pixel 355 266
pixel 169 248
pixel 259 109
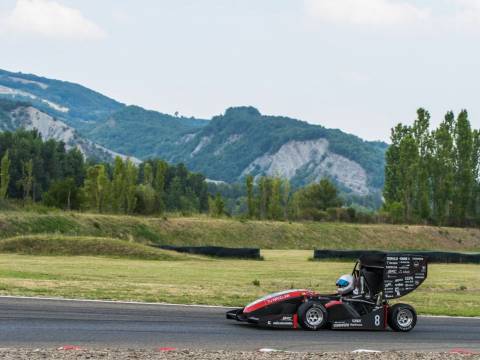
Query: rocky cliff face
pixel 244 142
pixel 312 161
pixel 30 118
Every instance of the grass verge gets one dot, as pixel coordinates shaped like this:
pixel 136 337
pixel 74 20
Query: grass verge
pixel 449 290
pixel 70 246
pixel 196 231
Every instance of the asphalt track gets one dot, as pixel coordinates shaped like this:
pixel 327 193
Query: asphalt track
pixel 32 323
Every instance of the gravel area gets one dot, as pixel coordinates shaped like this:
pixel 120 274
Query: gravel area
pixel 79 354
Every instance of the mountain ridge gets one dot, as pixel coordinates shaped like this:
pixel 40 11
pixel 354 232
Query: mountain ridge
pixel 72 102
pixel 226 148
pixel 244 130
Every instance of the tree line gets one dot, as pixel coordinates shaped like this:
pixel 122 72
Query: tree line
pixel 35 170
pixel 272 198
pixel 433 176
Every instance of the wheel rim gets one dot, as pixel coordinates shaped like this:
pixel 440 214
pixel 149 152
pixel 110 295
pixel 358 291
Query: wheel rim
pixel 405 318
pixel 314 316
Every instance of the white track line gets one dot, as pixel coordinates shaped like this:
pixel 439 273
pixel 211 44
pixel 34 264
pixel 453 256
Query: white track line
pixel 114 301
pixel 450 317
pixel 181 305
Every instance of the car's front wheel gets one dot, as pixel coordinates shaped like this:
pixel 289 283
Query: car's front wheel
pixel 312 316
pixel 402 317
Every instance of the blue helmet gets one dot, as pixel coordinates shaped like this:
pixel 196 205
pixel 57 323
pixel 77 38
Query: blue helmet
pixel 345 284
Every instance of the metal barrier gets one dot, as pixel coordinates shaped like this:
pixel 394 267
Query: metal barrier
pixel 217 251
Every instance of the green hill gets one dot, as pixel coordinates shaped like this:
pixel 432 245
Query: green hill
pixel 245 131
pixel 244 141
pixel 74 103
pixel 143 133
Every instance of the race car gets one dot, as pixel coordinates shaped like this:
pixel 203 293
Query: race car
pixel 361 301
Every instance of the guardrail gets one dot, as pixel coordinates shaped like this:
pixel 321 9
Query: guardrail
pixel 217 251
pixel 433 256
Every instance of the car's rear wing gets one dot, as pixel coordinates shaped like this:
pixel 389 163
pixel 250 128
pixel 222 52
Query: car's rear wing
pixel 403 273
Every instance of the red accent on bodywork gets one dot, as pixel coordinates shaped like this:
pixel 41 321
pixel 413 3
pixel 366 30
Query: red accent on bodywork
pixel 332 303
pixel 462 351
pixel 167 349
pixel 276 298
pixel 295 321
pixel 70 347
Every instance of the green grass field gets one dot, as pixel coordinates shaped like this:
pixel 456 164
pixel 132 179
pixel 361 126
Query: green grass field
pixel 235 233
pixel 76 255
pixel 449 289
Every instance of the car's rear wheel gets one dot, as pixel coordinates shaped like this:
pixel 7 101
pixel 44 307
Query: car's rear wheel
pixel 312 316
pixel 402 317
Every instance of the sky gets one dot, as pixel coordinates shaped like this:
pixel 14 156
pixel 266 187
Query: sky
pixel 358 65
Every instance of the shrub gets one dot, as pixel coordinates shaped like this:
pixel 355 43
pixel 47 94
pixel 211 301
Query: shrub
pixel 396 211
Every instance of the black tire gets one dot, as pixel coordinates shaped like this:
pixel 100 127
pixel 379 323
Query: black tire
pixel 402 317
pixel 312 316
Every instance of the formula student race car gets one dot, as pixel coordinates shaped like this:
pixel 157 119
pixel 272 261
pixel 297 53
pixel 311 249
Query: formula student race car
pixel 361 301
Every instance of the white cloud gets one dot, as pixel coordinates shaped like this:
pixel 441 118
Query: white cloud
pixel 366 12
pixel 48 18
pixel 466 15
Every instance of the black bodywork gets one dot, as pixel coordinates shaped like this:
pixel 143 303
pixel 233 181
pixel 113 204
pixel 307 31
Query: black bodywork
pixel 379 277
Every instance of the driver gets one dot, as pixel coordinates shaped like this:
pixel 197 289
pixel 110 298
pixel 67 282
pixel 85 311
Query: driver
pixel 345 285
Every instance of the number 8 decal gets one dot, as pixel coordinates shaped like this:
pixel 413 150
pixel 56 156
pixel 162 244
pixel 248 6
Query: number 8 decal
pixel 377 320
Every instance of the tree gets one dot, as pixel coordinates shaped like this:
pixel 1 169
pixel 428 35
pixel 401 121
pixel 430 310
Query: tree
pixel 64 194
pixel 408 165
pixel 90 187
pixel 73 166
pixel 50 162
pixel 315 198
pixel 145 191
pixel 26 182
pixel 250 199
pixel 286 199
pixel 442 169
pixel 463 177
pixel 145 199
pixel 118 186
pixel 391 190
pixel 97 188
pixel 275 210
pixel 434 176
pixel 396 211
pixel 175 193
pixel 4 175
pixel 33 168
pixel 218 206
pixel 474 203
pixel 131 173
pixel 265 189
pixel 147 174
pixel 103 190
pixel 421 135
pixel 159 185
